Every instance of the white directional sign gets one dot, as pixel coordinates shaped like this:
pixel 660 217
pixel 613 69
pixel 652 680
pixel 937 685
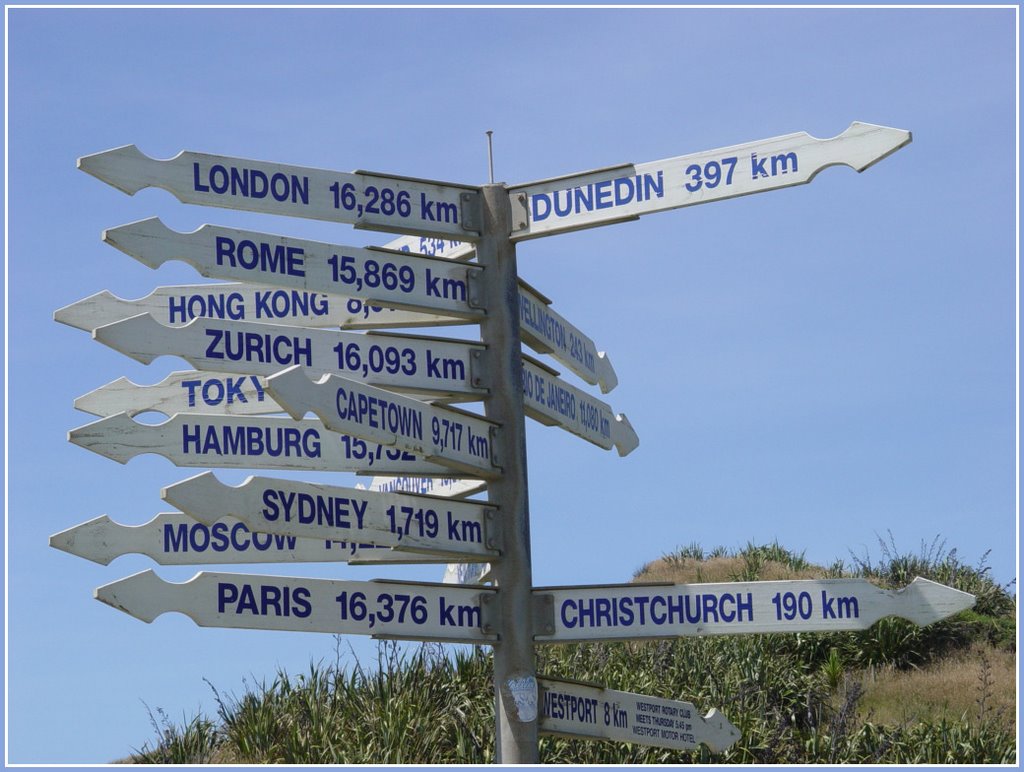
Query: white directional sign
pixel 172 538
pixel 309 510
pixel 367 200
pixel 378 276
pixel 179 305
pixel 552 401
pixel 729 608
pixel 425 612
pixel 441 435
pixel 412 364
pixel 620 193
pixel 244 442
pixel 573 709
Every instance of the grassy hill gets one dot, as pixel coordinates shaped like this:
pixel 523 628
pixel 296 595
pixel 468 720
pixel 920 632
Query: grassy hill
pixel 894 693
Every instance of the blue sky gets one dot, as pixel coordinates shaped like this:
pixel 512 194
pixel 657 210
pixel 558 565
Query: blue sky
pixel 822 365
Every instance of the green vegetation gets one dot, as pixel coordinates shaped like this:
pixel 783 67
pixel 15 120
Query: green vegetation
pixel 895 693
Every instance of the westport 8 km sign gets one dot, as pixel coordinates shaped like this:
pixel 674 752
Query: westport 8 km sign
pixel 279 343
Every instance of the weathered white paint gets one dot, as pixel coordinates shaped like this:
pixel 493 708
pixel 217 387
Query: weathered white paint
pixel 573 709
pixel 554 402
pixel 404 205
pixel 605 196
pixel 315 511
pixel 441 435
pixel 407 610
pixel 240 442
pixel 172 538
pixel 409 363
pixel 178 305
pixel 376 276
pixel 729 608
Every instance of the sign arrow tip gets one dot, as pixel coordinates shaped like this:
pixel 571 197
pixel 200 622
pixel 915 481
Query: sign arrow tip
pixel 626 440
pixel 136 240
pixel 110 437
pixel 865 144
pixel 606 377
pixel 118 167
pixel 143 595
pixel 125 335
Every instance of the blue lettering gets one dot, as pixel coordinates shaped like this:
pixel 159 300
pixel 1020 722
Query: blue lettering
pixel 540 212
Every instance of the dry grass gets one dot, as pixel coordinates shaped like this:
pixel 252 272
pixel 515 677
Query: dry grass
pixel 720 569
pixel 978 684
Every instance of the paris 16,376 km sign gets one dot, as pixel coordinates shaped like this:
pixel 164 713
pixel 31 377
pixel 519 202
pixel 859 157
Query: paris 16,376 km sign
pixel 297 331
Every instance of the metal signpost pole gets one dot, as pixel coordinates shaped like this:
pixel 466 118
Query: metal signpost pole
pixel 515 677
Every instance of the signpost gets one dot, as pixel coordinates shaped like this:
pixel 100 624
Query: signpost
pixel 313 511
pixel 618 193
pixel 635 611
pixel 256 346
pixel 574 709
pixel 364 199
pixel 383 609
